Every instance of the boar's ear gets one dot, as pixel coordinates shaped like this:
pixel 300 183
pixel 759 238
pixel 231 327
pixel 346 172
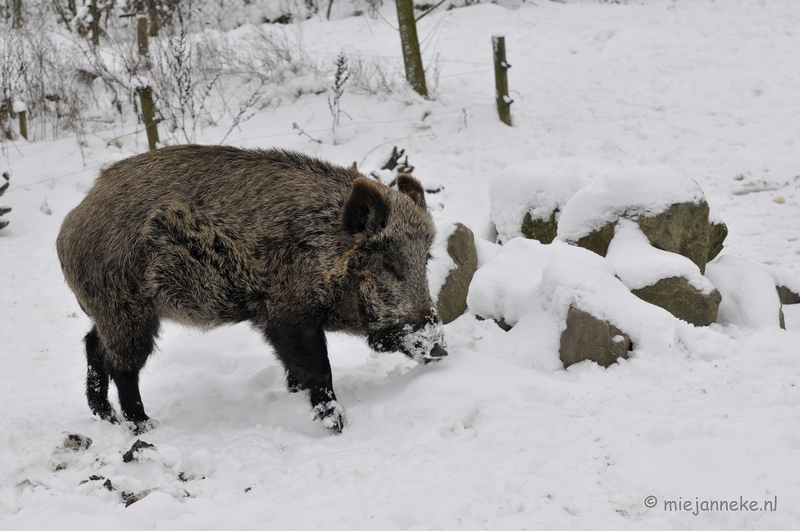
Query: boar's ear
pixel 365 210
pixel 412 188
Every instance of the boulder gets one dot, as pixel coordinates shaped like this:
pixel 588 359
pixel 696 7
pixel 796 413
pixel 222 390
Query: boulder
pixel 787 296
pixel 749 297
pixel 716 238
pixel 543 230
pixel 681 299
pixel 588 338
pixel 683 229
pixel 452 300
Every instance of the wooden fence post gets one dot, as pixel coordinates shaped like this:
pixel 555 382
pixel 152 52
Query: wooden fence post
pixel 16 20
pixel 141 36
pixel 95 12
pixel 23 124
pixel 149 115
pixel 412 57
pixel 501 79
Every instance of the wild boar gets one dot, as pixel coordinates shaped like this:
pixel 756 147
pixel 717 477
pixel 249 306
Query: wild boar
pixel 212 235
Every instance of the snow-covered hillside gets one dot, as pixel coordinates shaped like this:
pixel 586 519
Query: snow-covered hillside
pixel 498 435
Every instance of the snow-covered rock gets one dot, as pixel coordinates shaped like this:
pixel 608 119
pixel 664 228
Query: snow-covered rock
pixel 749 297
pixel 532 193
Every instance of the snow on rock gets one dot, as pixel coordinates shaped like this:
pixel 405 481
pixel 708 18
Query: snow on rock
pixel 507 287
pixel 633 191
pixel 441 263
pixel 598 291
pixel 639 264
pixel 788 285
pixel 539 187
pixel 749 297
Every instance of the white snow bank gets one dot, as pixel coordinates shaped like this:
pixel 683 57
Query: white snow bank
pixel 635 190
pixel 507 287
pixel 639 264
pixel 539 187
pixel 749 297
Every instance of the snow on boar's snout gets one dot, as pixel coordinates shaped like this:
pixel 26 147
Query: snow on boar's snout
pixel 210 235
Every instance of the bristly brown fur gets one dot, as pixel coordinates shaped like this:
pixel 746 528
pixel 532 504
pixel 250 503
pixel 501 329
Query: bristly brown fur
pixel 209 235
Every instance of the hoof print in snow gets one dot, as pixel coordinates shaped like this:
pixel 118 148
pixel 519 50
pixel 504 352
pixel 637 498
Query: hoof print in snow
pixel 543 230
pixel 588 338
pixel 138 451
pixel 681 299
pixel 452 300
pixel 76 442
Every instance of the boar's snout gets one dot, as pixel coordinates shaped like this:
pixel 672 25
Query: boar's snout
pixel 423 343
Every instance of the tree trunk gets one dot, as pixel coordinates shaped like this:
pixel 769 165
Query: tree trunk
pixel 412 57
pixel 16 21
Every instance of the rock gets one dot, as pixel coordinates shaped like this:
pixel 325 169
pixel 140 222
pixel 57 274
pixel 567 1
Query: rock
pixel 681 299
pixel 133 498
pixel 749 297
pixel 599 240
pixel 683 228
pixel 787 296
pixel 589 338
pixel 137 451
pixel 76 442
pixel 452 300
pixel 543 230
pixel 716 237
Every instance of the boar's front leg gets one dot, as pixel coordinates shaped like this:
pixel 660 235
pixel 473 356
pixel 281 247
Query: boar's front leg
pixel 304 354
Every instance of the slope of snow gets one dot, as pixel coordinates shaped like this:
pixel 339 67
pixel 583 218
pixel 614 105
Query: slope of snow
pixel 497 435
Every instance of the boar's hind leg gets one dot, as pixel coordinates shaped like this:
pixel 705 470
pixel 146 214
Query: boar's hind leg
pixel 125 350
pixel 97 377
pixel 304 355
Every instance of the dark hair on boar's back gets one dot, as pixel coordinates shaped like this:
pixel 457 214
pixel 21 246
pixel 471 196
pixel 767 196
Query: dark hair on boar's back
pixel 211 235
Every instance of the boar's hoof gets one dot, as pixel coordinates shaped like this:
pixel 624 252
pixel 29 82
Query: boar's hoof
pixel 435 354
pixel 331 415
pixel 138 428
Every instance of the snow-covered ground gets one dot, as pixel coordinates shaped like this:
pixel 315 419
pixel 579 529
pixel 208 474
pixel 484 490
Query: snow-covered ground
pixel 498 435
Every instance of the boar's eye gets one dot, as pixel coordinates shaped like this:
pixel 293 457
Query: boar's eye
pixel 393 269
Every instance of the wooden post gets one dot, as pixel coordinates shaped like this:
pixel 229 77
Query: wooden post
pixel 16 21
pixel 141 35
pixel 95 12
pixel 412 57
pixel 149 115
pixel 152 10
pixel 23 124
pixel 501 79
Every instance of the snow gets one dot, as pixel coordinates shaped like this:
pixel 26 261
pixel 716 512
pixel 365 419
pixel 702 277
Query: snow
pixel 539 187
pixel 508 286
pixel 640 190
pixel 749 297
pixel 639 264
pixel 497 435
